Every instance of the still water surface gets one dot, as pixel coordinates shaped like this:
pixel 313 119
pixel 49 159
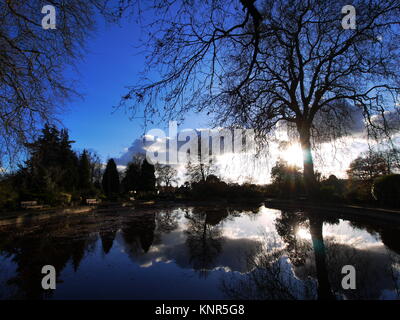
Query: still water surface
pixel 198 253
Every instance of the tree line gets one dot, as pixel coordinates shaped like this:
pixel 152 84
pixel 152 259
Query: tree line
pixel 139 175
pixel 55 174
pixel 373 179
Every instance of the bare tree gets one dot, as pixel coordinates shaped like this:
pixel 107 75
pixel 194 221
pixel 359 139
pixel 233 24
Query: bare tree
pixel 257 63
pixel 96 167
pixel 199 171
pixel 33 60
pixel 367 166
pixel 166 175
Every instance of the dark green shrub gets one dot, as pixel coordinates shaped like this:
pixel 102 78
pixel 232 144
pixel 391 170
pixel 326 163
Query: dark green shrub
pixel 328 193
pixel 8 197
pixel 358 192
pixel 386 190
pixel 145 195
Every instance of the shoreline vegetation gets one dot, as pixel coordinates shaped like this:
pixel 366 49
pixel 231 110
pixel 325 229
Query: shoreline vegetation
pixel 323 209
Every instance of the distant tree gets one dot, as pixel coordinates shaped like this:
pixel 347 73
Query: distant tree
pixel 318 176
pixel 334 182
pixel 69 161
pixel 8 194
pixel 96 168
pixel 392 158
pixel 386 190
pixel 147 176
pixel 332 189
pixel 166 175
pixel 288 179
pixel 199 167
pixel 52 165
pixel 368 166
pixel 198 171
pixel 212 178
pixel 282 171
pixel 132 178
pixel 111 180
pixel 85 181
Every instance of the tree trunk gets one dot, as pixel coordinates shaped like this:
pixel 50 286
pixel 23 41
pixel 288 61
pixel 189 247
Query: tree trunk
pixel 310 182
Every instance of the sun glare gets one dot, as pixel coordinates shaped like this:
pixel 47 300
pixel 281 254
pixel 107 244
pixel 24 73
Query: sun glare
pixel 293 155
pixel 303 234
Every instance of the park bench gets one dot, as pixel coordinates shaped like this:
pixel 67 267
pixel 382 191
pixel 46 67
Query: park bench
pixel 91 201
pixel 30 205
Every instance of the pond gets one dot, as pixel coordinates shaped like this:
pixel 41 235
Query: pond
pixel 198 253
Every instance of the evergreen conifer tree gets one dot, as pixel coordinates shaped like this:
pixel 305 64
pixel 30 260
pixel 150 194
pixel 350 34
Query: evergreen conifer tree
pixel 111 180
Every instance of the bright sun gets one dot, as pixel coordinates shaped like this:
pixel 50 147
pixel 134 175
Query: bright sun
pixel 303 233
pixel 293 155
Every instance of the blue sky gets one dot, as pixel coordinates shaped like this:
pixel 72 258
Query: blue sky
pixel 110 64
pixel 107 68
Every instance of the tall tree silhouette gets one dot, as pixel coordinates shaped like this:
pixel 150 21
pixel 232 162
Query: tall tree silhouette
pixel 131 180
pixel 52 165
pixel 111 180
pixel 85 182
pixel 147 176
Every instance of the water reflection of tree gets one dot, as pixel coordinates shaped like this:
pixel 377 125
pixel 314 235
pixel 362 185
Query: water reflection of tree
pixel 299 250
pixel 271 277
pixel 204 238
pixel 317 239
pixel 54 241
pixel 388 233
pixel 168 220
pixel 107 237
pixel 286 272
pixel 376 269
pixel 138 232
pixel 30 252
pixel 287 225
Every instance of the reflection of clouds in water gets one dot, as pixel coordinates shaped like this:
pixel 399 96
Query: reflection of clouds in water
pixel 175 250
pixel 345 233
pixel 8 270
pixel 252 226
pixel 165 244
pixel 241 236
pixel 371 261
